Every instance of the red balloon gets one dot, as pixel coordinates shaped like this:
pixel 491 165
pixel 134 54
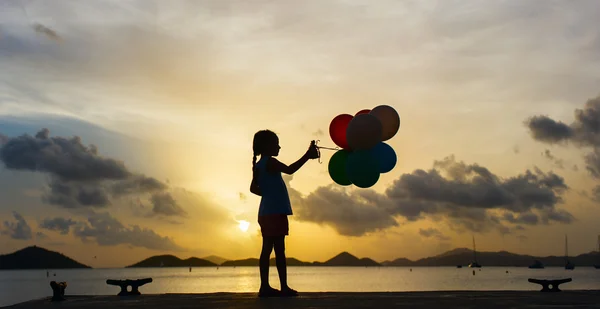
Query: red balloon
pixel 337 130
pixel 364 111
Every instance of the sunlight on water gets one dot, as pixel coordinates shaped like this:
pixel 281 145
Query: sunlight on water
pixel 22 285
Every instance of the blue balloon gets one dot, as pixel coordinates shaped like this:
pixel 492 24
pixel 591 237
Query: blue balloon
pixel 362 168
pixel 385 155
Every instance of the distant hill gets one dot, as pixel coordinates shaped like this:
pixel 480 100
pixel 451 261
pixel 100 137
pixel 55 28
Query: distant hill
pixel 37 258
pixel 172 261
pixel 342 259
pixel 347 259
pixel 463 256
pixel 215 259
pixel 272 262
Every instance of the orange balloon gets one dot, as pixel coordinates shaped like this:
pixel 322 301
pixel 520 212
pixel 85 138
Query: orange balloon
pixel 390 120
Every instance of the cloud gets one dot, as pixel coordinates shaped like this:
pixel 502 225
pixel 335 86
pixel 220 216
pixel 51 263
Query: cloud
pixel 467 197
pixel 62 225
pixel 557 162
pixel 49 33
pixel 583 132
pixel 79 176
pixel 165 204
pixel 431 232
pixel 106 230
pixel 318 133
pixel 548 130
pixel 243 197
pixel 40 235
pixel 19 230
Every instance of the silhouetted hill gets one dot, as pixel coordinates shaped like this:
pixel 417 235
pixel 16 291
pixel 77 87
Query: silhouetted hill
pixel 347 259
pixel 172 261
pixel 37 258
pixel 342 259
pixel 463 256
pixel 254 262
pixel 215 259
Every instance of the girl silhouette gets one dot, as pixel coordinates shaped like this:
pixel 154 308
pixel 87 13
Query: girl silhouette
pixel 274 207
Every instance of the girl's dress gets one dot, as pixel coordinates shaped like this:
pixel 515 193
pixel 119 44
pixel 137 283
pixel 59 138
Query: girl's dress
pixel 275 203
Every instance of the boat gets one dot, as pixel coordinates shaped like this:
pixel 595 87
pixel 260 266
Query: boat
pixel 474 264
pixel 536 265
pixel 568 264
pixel 458 266
pixel 597 266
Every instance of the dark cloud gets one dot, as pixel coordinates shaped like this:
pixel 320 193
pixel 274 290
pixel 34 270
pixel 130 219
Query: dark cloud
pixel 165 204
pixel 524 218
pixel 584 131
pixel 49 33
pixel 65 158
pixel 40 235
pixel 58 224
pixel 557 162
pixel 76 194
pixel 18 229
pixel 547 130
pixel 106 230
pixel 79 176
pixel 431 232
pixel 466 196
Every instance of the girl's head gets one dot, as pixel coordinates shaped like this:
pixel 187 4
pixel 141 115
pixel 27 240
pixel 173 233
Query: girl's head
pixel 266 143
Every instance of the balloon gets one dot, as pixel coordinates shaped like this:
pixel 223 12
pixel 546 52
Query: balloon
pixel 386 157
pixel 337 168
pixel 390 120
pixel 362 168
pixel 337 130
pixel 364 111
pixel 364 132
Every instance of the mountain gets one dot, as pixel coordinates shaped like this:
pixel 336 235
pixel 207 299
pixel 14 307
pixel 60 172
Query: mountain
pixel 342 259
pixel 172 261
pixel 347 259
pixel 37 258
pixel 272 262
pixel 463 256
pixel 215 259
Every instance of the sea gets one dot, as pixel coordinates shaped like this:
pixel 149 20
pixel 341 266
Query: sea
pixel 22 285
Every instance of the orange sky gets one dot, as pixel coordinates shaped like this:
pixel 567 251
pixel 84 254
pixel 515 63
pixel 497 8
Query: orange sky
pixel 177 91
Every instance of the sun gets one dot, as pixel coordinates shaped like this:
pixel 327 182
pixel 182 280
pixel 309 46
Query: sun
pixel 244 225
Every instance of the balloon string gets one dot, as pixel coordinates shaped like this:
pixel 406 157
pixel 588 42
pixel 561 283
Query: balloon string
pixel 336 148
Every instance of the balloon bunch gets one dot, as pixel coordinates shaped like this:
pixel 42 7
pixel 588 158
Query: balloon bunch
pixel 364 155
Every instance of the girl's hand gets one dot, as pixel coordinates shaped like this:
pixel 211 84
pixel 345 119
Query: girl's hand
pixel 313 151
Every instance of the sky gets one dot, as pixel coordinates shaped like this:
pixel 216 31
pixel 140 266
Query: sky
pixel 126 126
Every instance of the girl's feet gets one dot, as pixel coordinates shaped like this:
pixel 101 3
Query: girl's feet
pixel 268 292
pixel 288 292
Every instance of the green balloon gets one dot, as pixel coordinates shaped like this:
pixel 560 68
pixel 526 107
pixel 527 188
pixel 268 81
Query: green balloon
pixel 337 168
pixel 362 168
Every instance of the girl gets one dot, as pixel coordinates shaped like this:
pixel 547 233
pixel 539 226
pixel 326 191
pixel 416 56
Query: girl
pixel 274 206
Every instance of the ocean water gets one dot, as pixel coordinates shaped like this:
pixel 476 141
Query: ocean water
pixel 22 285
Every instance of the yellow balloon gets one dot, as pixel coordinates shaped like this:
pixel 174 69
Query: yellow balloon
pixel 390 120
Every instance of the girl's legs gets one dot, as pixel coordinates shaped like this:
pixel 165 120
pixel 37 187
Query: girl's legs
pixel 280 259
pixel 265 255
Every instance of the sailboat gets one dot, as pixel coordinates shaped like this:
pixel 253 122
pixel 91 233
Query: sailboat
pixel 568 264
pixel 597 266
pixel 474 264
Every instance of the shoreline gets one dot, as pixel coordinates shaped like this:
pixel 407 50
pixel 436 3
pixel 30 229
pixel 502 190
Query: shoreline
pixel 438 299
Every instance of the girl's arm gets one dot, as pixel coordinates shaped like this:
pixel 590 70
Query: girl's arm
pixel 274 165
pixel 254 188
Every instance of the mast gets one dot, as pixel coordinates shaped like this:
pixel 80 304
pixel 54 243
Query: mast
pixel 566 248
pixel 474 251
